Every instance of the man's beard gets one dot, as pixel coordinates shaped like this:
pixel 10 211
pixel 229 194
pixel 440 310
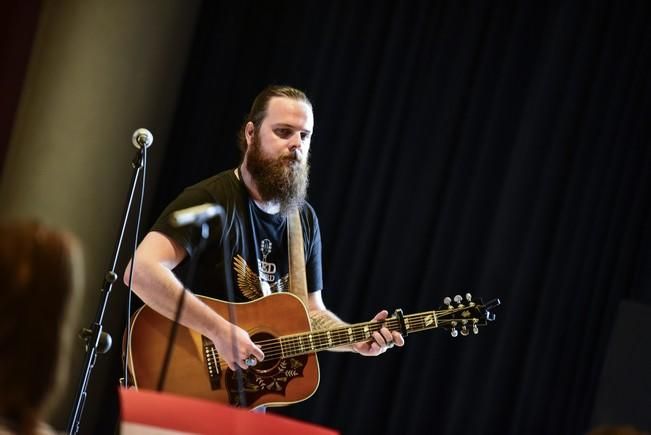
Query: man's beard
pixel 283 180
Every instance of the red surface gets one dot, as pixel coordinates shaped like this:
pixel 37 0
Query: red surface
pixel 194 415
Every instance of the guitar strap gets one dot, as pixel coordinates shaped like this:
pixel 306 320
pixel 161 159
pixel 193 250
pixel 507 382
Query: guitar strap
pixel 297 280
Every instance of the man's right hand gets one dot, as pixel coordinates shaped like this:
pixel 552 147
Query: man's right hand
pixel 158 287
pixel 235 346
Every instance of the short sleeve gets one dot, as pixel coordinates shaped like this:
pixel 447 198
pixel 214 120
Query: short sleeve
pixel 187 236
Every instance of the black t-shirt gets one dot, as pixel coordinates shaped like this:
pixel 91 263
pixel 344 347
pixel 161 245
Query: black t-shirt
pixel 257 258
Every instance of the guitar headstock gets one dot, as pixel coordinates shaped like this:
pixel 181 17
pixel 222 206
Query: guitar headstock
pixel 465 314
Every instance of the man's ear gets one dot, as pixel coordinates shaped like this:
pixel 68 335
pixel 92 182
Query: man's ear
pixel 249 131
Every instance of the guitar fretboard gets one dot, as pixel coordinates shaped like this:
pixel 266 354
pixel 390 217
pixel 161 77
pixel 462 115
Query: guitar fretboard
pixel 315 341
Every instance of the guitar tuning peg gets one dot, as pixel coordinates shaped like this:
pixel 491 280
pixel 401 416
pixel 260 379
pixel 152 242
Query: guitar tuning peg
pixel 468 297
pixel 464 331
pixel 447 301
pixel 458 299
pixel 454 332
pixel 475 329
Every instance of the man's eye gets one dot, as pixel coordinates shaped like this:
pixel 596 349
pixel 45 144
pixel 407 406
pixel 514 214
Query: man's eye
pixel 283 132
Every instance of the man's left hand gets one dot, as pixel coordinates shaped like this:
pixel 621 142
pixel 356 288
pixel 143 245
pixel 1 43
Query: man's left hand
pixel 382 339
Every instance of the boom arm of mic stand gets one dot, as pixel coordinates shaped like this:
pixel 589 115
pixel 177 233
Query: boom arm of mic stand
pixel 92 335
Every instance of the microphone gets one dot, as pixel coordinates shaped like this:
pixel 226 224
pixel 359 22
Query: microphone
pixel 195 215
pixel 142 138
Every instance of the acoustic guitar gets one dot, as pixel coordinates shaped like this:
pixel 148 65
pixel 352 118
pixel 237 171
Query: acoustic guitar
pixel 279 324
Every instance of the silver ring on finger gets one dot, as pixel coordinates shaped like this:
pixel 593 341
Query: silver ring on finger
pixel 250 361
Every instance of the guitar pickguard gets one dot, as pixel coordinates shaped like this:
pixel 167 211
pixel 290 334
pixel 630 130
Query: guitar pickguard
pixel 266 377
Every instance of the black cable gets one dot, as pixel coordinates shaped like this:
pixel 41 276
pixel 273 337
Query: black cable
pixel 205 233
pixel 232 318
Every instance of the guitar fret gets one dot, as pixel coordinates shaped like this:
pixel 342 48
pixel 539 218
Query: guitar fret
pixel 421 321
pixel 289 346
pixel 340 336
pixel 297 347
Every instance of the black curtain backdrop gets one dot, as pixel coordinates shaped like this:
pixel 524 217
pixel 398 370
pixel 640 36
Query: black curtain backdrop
pixel 499 148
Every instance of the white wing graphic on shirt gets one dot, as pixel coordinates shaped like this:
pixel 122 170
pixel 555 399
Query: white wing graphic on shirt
pixel 249 282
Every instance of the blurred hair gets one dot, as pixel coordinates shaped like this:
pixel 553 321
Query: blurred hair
pixel 41 270
pixel 617 430
pixel 259 108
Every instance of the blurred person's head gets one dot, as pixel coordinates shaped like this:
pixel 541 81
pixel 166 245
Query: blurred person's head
pixel 41 272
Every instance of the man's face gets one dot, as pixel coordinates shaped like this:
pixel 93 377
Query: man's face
pixel 277 154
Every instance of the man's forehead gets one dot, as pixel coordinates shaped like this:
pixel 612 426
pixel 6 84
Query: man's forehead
pixel 284 110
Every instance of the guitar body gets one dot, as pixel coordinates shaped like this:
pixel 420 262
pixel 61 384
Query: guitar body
pixel 196 369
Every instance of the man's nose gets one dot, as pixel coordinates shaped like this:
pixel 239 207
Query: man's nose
pixel 295 141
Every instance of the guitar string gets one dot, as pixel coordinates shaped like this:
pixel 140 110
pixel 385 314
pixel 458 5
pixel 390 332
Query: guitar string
pixel 320 341
pixel 274 353
pixel 293 345
pixel 287 348
pixel 295 341
pixel 278 352
pixel 374 325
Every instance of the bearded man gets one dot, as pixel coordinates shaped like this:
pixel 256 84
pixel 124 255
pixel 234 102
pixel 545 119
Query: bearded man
pixel 257 197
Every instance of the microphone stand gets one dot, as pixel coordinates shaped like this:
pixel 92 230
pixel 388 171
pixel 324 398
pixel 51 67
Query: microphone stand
pixel 96 340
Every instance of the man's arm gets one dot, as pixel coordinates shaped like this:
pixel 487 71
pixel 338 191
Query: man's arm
pixel 155 283
pixel 322 318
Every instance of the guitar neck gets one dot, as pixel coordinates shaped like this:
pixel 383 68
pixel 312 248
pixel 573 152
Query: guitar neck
pixel 315 341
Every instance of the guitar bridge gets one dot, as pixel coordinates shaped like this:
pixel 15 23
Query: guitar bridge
pixel 212 363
